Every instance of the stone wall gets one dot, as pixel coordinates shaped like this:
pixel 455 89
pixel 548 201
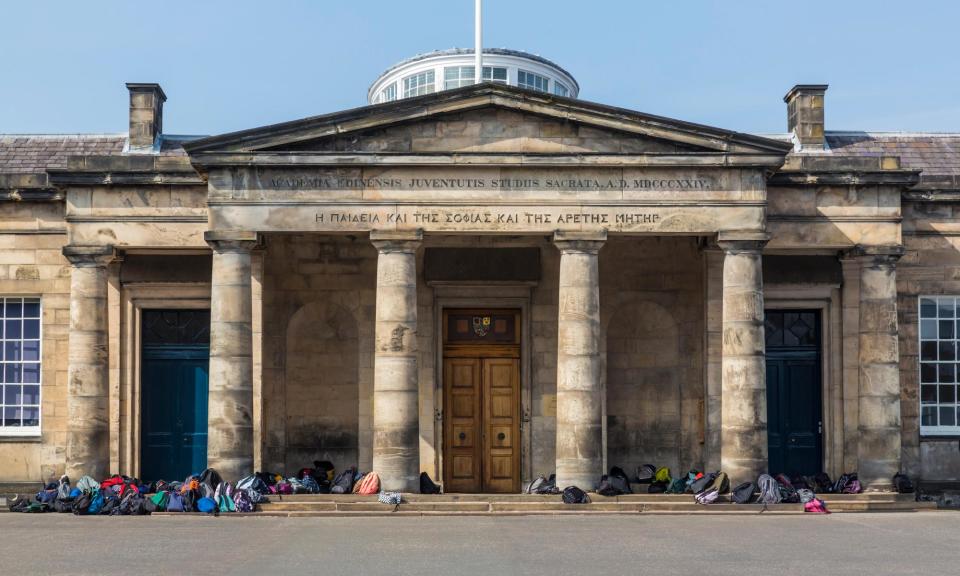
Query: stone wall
pixel 31 264
pixel 652 308
pixel 930 266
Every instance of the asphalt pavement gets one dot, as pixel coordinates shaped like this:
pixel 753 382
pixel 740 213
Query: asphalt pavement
pixel 839 544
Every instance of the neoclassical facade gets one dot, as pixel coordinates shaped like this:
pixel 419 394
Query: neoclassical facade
pixel 486 283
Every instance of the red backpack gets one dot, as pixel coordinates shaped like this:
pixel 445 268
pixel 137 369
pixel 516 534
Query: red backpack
pixel 369 484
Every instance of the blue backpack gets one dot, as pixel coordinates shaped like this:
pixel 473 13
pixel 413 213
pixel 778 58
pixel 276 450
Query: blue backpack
pixel 206 505
pixel 175 503
pixel 96 503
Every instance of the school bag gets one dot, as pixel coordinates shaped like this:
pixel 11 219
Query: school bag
pixel 242 501
pixel 281 488
pixel 209 480
pixel 428 486
pixel 618 478
pixel 82 503
pixel 325 469
pixel 902 483
pixel 310 483
pixel 848 484
pixel 678 486
pixel 769 490
pixel 370 484
pixel 224 497
pixel 63 505
pixel 531 487
pixel 720 482
pixel 574 495
pixel 159 501
pixel 175 502
pixel 662 475
pixel 47 495
pixel 816 506
pixel 88 485
pixel 132 504
pixel 822 483
pixel 298 486
pixel 604 488
pixel 111 501
pixel 206 505
pixel 343 483
pixel 63 488
pixel 96 503
pixel 550 486
pixel 658 488
pixel 646 473
pixel 744 493
pixel 700 484
pixel 708 496
pixel 805 495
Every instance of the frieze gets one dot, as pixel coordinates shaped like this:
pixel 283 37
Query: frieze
pixel 284 182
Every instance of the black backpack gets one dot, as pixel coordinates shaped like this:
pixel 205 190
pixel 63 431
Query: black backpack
pixel 64 505
pixel 82 503
pixel 646 473
pixel 574 495
pixel 605 488
pixel 902 483
pixel 824 485
pixel 618 478
pixel 210 477
pixel 110 502
pixel 132 504
pixel 656 488
pixel 744 493
pixel 701 484
pixel 427 486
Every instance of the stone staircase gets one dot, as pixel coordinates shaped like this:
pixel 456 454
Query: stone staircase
pixel 527 504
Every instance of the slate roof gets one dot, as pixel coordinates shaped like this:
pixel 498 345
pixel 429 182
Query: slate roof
pixel 36 153
pixel 937 154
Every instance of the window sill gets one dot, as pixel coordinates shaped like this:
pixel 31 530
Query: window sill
pixel 939 437
pixel 22 437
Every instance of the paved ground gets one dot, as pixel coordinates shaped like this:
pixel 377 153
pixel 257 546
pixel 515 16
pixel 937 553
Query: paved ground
pixel 840 544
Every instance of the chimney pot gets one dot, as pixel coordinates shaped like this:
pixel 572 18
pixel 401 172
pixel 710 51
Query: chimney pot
pixel 146 115
pixel 805 118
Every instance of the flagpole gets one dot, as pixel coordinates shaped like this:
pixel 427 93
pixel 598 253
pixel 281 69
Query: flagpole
pixel 478 43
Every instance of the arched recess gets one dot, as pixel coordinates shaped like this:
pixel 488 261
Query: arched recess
pixel 322 386
pixel 644 379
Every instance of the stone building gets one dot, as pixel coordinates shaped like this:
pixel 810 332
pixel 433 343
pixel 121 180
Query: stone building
pixel 488 283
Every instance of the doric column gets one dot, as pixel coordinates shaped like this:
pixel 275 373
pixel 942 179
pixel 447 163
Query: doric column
pixel 88 390
pixel 230 400
pixel 743 431
pixel 396 422
pixel 879 442
pixel 579 386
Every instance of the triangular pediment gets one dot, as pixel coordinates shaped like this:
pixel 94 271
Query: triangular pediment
pixel 489 118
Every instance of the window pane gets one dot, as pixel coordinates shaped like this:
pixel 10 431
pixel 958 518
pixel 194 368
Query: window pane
pixel 946 373
pixel 928 416
pixel 928 351
pixel 31 416
pixel 947 393
pixel 31 394
pixel 13 351
pixel 928 308
pixel 13 328
pixel 928 373
pixel 11 373
pixel 11 416
pixel 31 328
pixel 31 373
pixel 31 308
pixel 928 394
pixel 12 394
pixel 14 308
pixel 948 416
pixel 945 307
pixel 31 350
pixel 947 351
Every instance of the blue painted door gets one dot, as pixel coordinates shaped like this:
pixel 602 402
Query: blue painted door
pixel 794 413
pixel 173 384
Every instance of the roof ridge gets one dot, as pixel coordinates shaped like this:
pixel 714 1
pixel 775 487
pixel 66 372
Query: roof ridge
pixel 892 133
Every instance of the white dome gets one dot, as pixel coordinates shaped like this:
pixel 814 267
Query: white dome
pixel 446 69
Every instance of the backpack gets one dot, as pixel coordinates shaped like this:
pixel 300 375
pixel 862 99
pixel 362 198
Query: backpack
pixel 132 504
pixel 63 488
pixel 47 495
pixel 82 503
pixel 160 500
pixel 96 503
pixel 111 501
pixel 743 494
pixel 662 475
pixel 853 487
pixel 788 494
pixel 211 479
pixel 242 501
pixel 550 486
pixel 848 484
pixel 175 502
pixel 708 496
pixel 822 483
pixel 658 488
pixel 618 478
pixel 531 487
pixel 88 485
pixel 678 486
pixel 646 473
pixel 721 483
pixel 769 489
pixel 343 483
pixel 370 484
pixel 297 486
pixel 816 506
pixel 282 487
pixel 206 505
pixel 18 503
pixel 805 495
pixel 390 498
pixel 574 495
pixel 703 482
pixel 310 483
pixel 253 483
pixel 604 488
pixel 842 482
pixel 63 505
pixel 325 469
pixel 427 486
pixel 902 483
pixel 224 499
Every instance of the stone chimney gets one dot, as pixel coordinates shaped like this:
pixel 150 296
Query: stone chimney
pixel 146 115
pixel 805 115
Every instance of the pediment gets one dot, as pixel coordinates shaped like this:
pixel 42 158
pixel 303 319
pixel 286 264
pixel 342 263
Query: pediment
pixel 489 118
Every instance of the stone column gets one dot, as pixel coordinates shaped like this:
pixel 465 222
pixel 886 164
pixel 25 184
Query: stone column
pixel 230 404
pixel 743 432
pixel 396 421
pixel 579 385
pixel 88 388
pixel 879 443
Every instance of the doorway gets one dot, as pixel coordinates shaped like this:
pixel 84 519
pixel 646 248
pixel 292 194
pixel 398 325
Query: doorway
pixel 175 357
pixel 481 398
pixel 794 392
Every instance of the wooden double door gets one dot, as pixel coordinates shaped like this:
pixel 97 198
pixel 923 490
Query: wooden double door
pixel 481 383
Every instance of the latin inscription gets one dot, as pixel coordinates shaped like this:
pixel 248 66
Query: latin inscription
pixel 324 183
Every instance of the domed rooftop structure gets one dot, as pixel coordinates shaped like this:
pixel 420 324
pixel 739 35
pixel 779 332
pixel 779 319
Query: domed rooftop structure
pixel 446 69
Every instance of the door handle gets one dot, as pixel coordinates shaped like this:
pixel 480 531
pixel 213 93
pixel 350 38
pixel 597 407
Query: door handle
pixel 501 436
pixel 463 436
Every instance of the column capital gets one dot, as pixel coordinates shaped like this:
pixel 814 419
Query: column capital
pixel 584 242
pixel 742 241
pixel 396 240
pixel 231 240
pixel 873 255
pixel 90 256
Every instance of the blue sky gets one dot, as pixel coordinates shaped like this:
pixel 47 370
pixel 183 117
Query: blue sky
pixel 229 65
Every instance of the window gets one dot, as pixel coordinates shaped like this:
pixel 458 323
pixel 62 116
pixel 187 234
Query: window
pixel 560 90
pixel 388 94
pixel 532 81
pixel 20 363
pixel 457 76
pixel 418 84
pixel 939 412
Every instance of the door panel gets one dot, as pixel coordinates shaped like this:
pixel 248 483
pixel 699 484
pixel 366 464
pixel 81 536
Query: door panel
pixel 462 425
pixel 502 423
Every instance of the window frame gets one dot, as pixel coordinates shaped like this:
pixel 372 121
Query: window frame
pixel 22 431
pixel 429 84
pixel 558 86
pixel 938 430
pixel 527 86
pixel 387 94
